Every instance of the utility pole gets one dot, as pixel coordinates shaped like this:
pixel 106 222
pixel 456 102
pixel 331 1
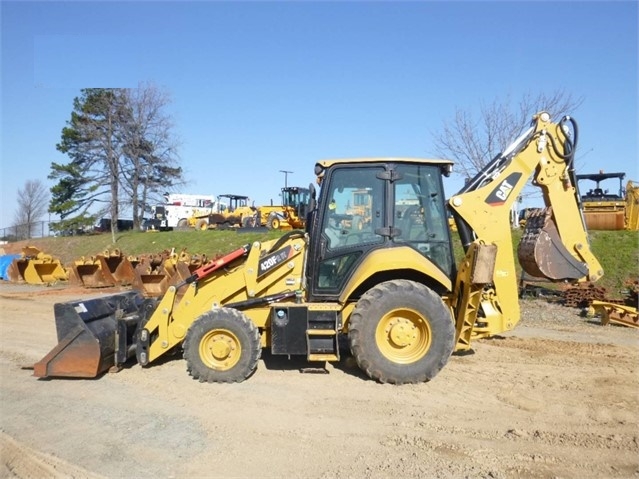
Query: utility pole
pixel 286 172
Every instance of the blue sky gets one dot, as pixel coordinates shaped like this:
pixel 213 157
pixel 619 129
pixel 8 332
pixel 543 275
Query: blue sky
pixel 260 87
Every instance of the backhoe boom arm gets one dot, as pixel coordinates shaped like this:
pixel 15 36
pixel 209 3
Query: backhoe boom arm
pixel 554 247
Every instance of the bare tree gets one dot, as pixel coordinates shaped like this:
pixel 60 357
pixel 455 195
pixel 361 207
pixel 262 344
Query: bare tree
pixel 150 147
pixel 33 199
pixel 472 143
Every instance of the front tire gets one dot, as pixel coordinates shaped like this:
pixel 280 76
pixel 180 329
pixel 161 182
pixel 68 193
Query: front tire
pixel 202 225
pixel 222 346
pixel 273 222
pixel 401 332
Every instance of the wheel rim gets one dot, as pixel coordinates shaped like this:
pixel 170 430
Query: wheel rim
pixel 403 336
pixel 220 349
pixel 276 224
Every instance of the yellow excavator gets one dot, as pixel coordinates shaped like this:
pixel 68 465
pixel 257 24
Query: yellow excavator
pixel 390 288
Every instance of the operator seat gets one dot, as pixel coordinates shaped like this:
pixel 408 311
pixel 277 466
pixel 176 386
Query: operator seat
pixel 334 237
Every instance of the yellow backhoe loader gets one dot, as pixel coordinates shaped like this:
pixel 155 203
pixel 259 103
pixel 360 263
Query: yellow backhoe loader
pixel 391 288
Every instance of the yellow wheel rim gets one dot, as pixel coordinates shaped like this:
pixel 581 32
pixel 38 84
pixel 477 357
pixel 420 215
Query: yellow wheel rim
pixel 403 336
pixel 220 349
pixel 276 224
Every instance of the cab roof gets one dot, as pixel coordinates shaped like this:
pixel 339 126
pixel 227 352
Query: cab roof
pixel 322 165
pixel 433 161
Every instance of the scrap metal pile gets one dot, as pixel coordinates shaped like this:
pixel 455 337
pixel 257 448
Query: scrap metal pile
pixel 621 310
pixel 151 274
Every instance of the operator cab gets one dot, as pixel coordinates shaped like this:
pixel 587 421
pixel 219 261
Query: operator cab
pixel 370 204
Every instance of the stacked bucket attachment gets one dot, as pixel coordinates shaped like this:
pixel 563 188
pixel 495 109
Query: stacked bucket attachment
pixel 36 267
pixel 110 268
pixel 541 252
pixel 154 274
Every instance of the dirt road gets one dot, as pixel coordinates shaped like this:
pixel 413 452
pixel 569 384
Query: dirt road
pixel 557 397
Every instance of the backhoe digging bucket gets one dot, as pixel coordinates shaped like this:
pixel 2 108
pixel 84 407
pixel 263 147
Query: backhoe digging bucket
pixel 541 252
pixel 89 273
pixel 15 271
pixel 152 285
pixel 117 268
pixel 93 336
pixel 151 277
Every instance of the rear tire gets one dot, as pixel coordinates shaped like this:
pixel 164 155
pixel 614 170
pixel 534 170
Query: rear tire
pixel 248 222
pixel 222 346
pixel 183 224
pixel 401 332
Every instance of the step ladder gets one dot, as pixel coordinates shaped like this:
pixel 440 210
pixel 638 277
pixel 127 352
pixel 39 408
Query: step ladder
pixel 322 337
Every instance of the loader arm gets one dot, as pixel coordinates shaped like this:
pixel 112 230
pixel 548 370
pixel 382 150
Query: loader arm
pixel 555 245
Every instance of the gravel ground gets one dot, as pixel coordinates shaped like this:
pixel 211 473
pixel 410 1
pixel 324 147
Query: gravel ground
pixel 557 397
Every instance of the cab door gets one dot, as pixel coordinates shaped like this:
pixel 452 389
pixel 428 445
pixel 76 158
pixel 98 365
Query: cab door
pixel 345 229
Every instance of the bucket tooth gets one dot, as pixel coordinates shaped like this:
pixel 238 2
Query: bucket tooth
pixel 542 254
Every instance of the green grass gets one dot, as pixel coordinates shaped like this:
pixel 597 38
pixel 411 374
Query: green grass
pixel 617 251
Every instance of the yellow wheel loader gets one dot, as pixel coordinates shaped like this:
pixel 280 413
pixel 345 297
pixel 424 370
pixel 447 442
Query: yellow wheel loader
pixel 390 287
pixel 291 214
pixel 229 212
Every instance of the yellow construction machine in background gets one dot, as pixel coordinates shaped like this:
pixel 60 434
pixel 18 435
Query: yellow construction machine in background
pixel 606 210
pixel 291 214
pixel 229 212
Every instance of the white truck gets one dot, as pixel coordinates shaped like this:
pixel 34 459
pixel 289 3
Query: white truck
pixel 178 208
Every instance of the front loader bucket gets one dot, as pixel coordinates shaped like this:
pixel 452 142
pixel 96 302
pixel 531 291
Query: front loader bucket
pixel 42 272
pixel 541 252
pixel 87 336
